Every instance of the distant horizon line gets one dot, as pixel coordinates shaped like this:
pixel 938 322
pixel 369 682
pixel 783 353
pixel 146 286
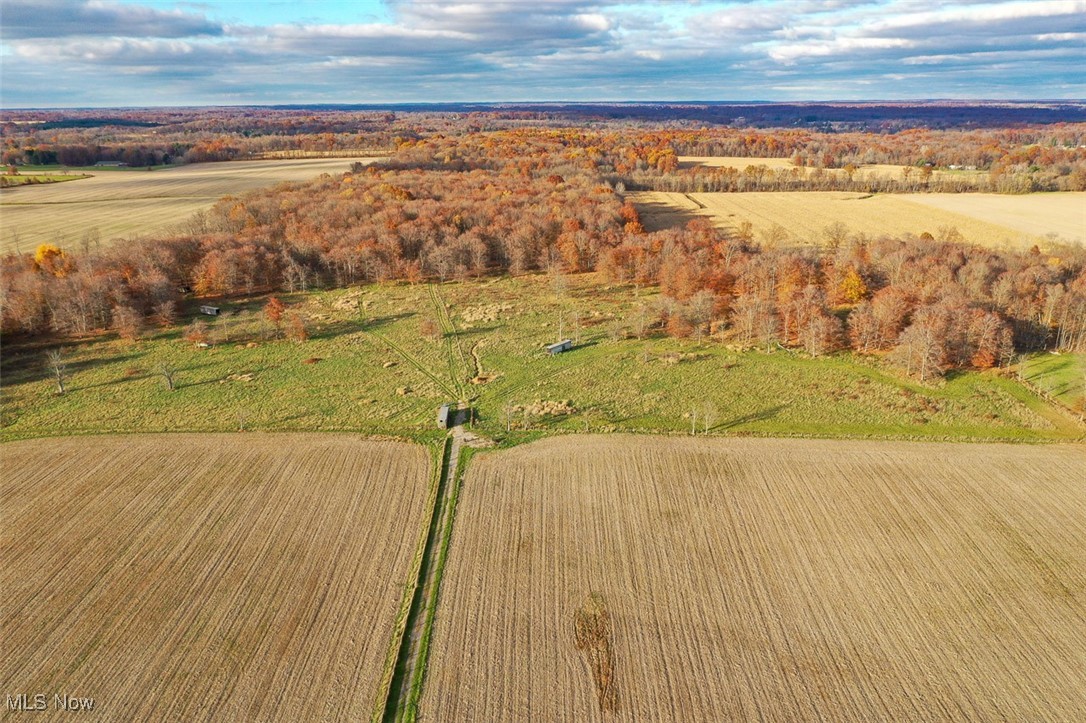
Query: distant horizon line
pixel 565 103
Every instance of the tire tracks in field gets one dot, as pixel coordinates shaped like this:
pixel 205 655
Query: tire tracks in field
pixel 454 351
pixel 412 361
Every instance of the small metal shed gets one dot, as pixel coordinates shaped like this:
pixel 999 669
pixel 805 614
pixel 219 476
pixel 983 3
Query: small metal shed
pixel 209 310
pixel 559 347
pixel 443 415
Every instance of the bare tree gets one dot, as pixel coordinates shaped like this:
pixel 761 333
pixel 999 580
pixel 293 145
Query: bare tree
pixel 708 416
pixel 700 311
pixel 166 313
pixel 58 366
pixel 168 371
pixel 641 321
pixel 127 322
pixel 559 282
pixel 774 236
pixel 835 235
pixel 91 237
pixel 921 351
pixel 507 412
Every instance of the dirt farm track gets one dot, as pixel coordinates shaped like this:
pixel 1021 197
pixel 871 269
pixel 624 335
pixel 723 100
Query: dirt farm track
pixel 636 578
pixel 206 577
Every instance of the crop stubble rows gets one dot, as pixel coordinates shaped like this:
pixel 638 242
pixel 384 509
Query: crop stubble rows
pixel 139 203
pixel 196 577
pixel 766 580
pixel 986 219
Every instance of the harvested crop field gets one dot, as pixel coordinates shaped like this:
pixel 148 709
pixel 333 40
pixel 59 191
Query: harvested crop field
pixel 1063 214
pixel 741 163
pixel 737 162
pixel 123 203
pixel 199 577
pixel 987 219
pixel 639 578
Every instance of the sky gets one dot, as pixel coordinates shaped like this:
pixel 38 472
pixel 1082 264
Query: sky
pixel 114 53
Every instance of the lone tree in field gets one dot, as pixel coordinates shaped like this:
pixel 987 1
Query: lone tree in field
pixel 196 332
pixel 708 416
pixel 168 371
pixel 274 311
pixel 508 410
pixel 58 366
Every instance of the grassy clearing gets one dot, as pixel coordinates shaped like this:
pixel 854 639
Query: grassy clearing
pixel 368 368
pixel 37 178
pixel 240 577
pixel 642 579
pixel 986 219
pixel 1061 375
pixel 127 204
pixel 56 168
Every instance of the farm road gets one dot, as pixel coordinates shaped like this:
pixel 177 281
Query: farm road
pixel 402 703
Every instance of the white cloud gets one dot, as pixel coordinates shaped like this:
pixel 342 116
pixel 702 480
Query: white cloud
pixel 981 14
pixel 549 49
pixel 788 53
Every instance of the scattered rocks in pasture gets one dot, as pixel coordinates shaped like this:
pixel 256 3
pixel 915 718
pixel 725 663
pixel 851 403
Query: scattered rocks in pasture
pixel 485 313
pixel 348 302
pixel 545 408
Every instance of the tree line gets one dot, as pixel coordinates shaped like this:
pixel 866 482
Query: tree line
pixel 929 304
pixel 1047 157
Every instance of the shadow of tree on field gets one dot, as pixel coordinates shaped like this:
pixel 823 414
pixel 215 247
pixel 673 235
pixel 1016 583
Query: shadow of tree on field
pixel 659 215
pixel 344 327
pixel 33 366
pixel 767 413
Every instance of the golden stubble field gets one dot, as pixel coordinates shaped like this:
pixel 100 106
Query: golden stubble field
pixel 636 578
pixel 207 577
pixel 126 203
pixel 871 170
pixel 982 218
